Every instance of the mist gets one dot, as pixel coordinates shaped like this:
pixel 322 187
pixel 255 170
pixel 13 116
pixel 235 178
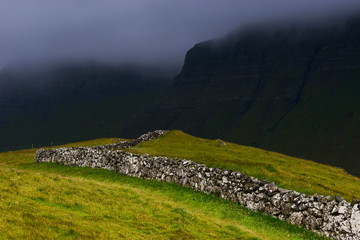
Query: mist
pixel 157 32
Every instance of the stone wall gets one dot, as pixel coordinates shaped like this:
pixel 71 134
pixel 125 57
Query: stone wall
pixel 334 218
pixel 127 144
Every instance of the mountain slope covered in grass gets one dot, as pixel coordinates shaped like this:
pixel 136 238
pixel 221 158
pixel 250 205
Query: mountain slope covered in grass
pixel 291 173
pixel 290 89
pixel 50 201
pixel 59 103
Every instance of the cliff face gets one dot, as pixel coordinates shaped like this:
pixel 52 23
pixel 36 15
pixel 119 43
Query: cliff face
pixel 294 91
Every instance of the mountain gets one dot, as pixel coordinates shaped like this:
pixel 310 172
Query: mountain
pixel 42 104
pixel 293 90
pixel 290 89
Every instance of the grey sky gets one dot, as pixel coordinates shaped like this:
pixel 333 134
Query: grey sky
pixel 136 30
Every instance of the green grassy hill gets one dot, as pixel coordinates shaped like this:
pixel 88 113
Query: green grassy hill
pixel 49 201
pixel 292 173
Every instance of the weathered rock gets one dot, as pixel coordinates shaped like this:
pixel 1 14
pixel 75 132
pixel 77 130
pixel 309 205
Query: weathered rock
pixel 311 223
pixel 355 201
pixel 296 218
pixel 286 209
pixel 355 220
pixel 338 198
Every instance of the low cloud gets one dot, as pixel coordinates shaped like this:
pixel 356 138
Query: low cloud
pixel 146 31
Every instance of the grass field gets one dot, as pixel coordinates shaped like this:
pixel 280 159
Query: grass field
pixel 292 173
pixel 49 201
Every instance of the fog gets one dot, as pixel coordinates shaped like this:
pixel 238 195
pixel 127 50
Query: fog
pixel 145 31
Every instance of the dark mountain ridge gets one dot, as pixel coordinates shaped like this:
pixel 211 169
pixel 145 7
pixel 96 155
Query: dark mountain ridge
pixel 291 90
pixel 65 102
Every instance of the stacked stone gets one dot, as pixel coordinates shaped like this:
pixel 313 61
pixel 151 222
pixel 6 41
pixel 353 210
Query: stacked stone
pixel 127 144
pixel 330 217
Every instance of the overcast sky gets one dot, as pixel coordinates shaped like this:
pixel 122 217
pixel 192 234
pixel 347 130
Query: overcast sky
pixel 136 30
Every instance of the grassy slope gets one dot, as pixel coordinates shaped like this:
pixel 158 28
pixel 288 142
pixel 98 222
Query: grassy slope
pixel 324 126
pixel 49 201
pixel 330 124
pixel 41 127
pixel 289 172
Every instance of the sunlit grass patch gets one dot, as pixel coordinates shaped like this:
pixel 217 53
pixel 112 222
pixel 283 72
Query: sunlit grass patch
pixel 292 173
pixel 50 201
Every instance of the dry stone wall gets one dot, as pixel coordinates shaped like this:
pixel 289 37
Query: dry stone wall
pixel 334 218
pixel 127 144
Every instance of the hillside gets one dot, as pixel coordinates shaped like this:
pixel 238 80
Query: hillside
pixel 291 173
pixel 60 102
pixel 51 201
pixel 288 89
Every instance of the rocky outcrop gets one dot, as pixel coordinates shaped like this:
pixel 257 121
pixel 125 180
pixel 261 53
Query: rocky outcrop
pixel 334 218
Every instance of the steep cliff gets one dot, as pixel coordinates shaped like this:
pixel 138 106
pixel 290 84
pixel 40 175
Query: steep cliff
pixel 292 90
